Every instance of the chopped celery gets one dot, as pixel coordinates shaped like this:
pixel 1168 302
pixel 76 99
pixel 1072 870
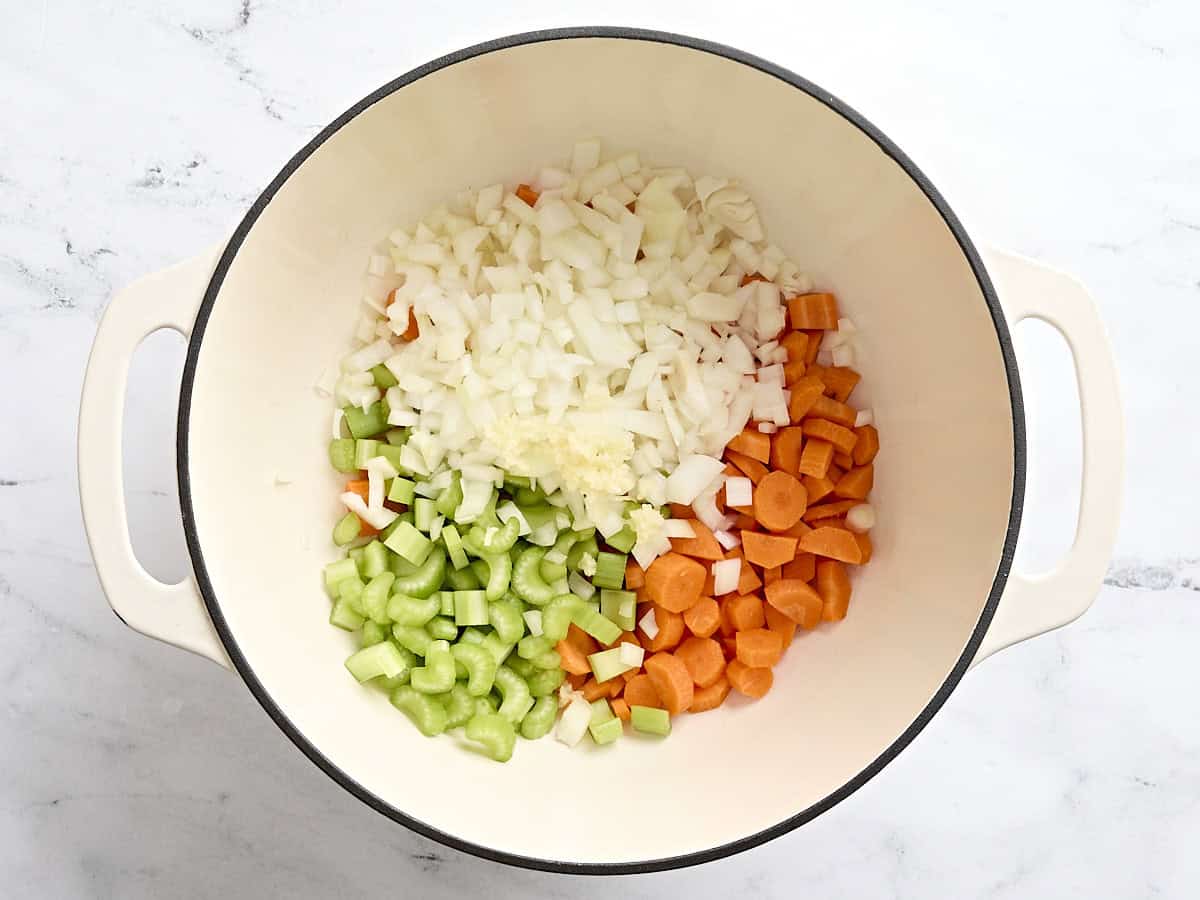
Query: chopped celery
pixel 389 452
pixel 601 711
pixel 537 516
pixel 527 579
pixel 649 720
pixel 339 571
pixel 446 601
pixel 499 649
pixel 372 634
pixel 495 733
pixel 454 547
pixel 460 706
pixel 426 712
pixel 522 667
pixel 462 580
pixel 623 540
pixel 442 628
pixel 412 637
pixel 413 545
pixel 405 610
pixel 437 675
pixel 351 591
pixel 342 616
pixel 346 529
pixel 379 659
pixel 585 546
pixel 374 560
pixel 426 579
pixel 341 454
pixel 551 659
pixel 367 424
pixel 620 607
pixel 499 575
pixel 607 664
pixel 505 617
pixel 610 570
pixel 481 571
pixel 401 490
pixel 540 719
pixel 410 663
pixel 602 629
pixel 449 499
pixel 399 566
pixel 552 571
pixel 383 376
pixel 606 732
pixel 479 665
pixel 364 450
pixel 375 597
pixel 397 436
pixel 545 682
pixel 516 481
pixel 526 496
pixel 423 513
pixel 515 692
pixel 470 608
pixel 556 616
pixel 531 646
pixel 471 636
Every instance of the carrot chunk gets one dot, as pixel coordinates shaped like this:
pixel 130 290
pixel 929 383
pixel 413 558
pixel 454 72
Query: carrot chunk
pixel 674 581
pixel 864 545
pixel 672 681
pixel 816 458
pixel 866 446
pixel 753 469
pixel 828 510
pixel 768 550
pixel 833 584
pixel 797 600
pixel 857 483
pixel 842 438
pixel 704 699
pixel 670 630
pixel 753 444
pixel 814 311
pixel 780 624
pixel 527 194
pixel 640 691
pixel 759 648
pixel 703 546
pixel 635 577
pixel 753 683
pixel 804 567
pixel 779 501
pixel 796 345
pixel 805 393
pixel 745 611
pixel 620 708
pixel 703 618
pixel 785 449
pixel 834 411
pixel 834 543
pixel 704 659
pixel 360 487
pixel 818 487
pixel 573 659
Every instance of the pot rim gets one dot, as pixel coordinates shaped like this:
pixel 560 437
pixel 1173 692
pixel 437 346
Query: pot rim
pixel 330 768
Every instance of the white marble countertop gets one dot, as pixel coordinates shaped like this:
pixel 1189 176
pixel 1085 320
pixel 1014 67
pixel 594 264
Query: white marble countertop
pixel 138 132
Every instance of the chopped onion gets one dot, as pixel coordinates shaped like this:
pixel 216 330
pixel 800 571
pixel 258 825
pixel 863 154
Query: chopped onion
pixel 573 722
pixel 691 476
pixel 630 654
pixel 864 417
pixel 860 518
pixel 338 415
pixel 726 573
pixel 728 540
pixel 580 586
pixel 738 491
pixel 533 618
pixel 649 624
pixel 379 518
pixel 767 427
pixel 678 528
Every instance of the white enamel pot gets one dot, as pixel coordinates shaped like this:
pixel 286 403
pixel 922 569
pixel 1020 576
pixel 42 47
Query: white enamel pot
pixel 268 310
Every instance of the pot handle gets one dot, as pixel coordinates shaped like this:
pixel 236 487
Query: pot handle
pixel 1032 605
pixel 173 613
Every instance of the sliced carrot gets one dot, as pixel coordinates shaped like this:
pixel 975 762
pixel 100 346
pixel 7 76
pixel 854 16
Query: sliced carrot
pixel 785 449
pixel 672 681
pixel 704 659
pixel 753 444
pixel 835 473
pixel 797 530
pixel 834 411
pixel 805 392
pixel 745 611
pixel 780 624
pixel 748 579
pixel 620 708
pixel 815 458
pixel 703 618
pixel 865 545
pixel 804 567
pixel 635 576
pixel 768 550
pixel 840 382
pixel 841 437
pixel 581 640
pixel 627 637
pixel 815 337
pixel 573 659
pixel 752 682
pixel 704 699
pixel 752 276
pixel 729 647
pixel 743 510
pixel 726 625
pixel 670 630
pixel 796 344
pixel 674 582
pixel 630 674
pixel 843 460
pixel 797 600
pixel 362 488
pixel 834 543
pixel 818 488
pixel 745 521
pixel 759 648
pixel 640 691
pixel 779 501
pixel 772 573
pixel 753 469
pixel 528 194
pixel 857 483
pixel 576 681
pixel 679 511
pixel 702 546
pixel 833 584
pixel 828 510
pixel 594 690
pixel 814 311
pixel 867 445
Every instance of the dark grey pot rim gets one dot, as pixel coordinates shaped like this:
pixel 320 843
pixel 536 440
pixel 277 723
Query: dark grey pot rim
pixel 560 866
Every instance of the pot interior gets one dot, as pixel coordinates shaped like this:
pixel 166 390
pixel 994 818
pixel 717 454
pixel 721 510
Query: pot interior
pixel 849 214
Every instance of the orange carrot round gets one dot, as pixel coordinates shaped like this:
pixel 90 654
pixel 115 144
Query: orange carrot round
pixel 785 449
pixel 780 624
pixel 703 618
pixel 710 697
pixel 797 600
pixel 768 550
pixel 640 691
pixel 833 584
pixel 620 709
pixel 674 582
pixel 779 501
pixel 703 658
pixel 759 648
pixel 752 682
pixel 670 630
pixel 671 681
pixel 745 611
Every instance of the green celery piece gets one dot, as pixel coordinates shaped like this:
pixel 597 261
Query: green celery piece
pixel 649 720
pixel 410 543
pixel 367 424
pixel 425 711
pixel 620 607
pixel 383 376
pixel 495 733
pixel 342 616
pixel 591 621
pixel 470 608
pixel 372 662
pixel 610 570
pixel 606 732
pixel 458 556
pixel 346 530
pixel 540 719
pixel 607 664
pixel 341 454
pixel 364 450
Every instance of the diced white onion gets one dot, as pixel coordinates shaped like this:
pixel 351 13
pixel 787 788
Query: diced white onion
pixel 691 476
pixel 573 722
pixel 631 655
pixel 678 528
pixel 860 518
pixel 533 619
pixel 727 539
pixel 379 518
pixel 738 491
pixel 864 417
pixel 649 624
pixel 726 573
pixel 580 586
pixel 338 416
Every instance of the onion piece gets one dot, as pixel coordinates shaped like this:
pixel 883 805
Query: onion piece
pixel 726 573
